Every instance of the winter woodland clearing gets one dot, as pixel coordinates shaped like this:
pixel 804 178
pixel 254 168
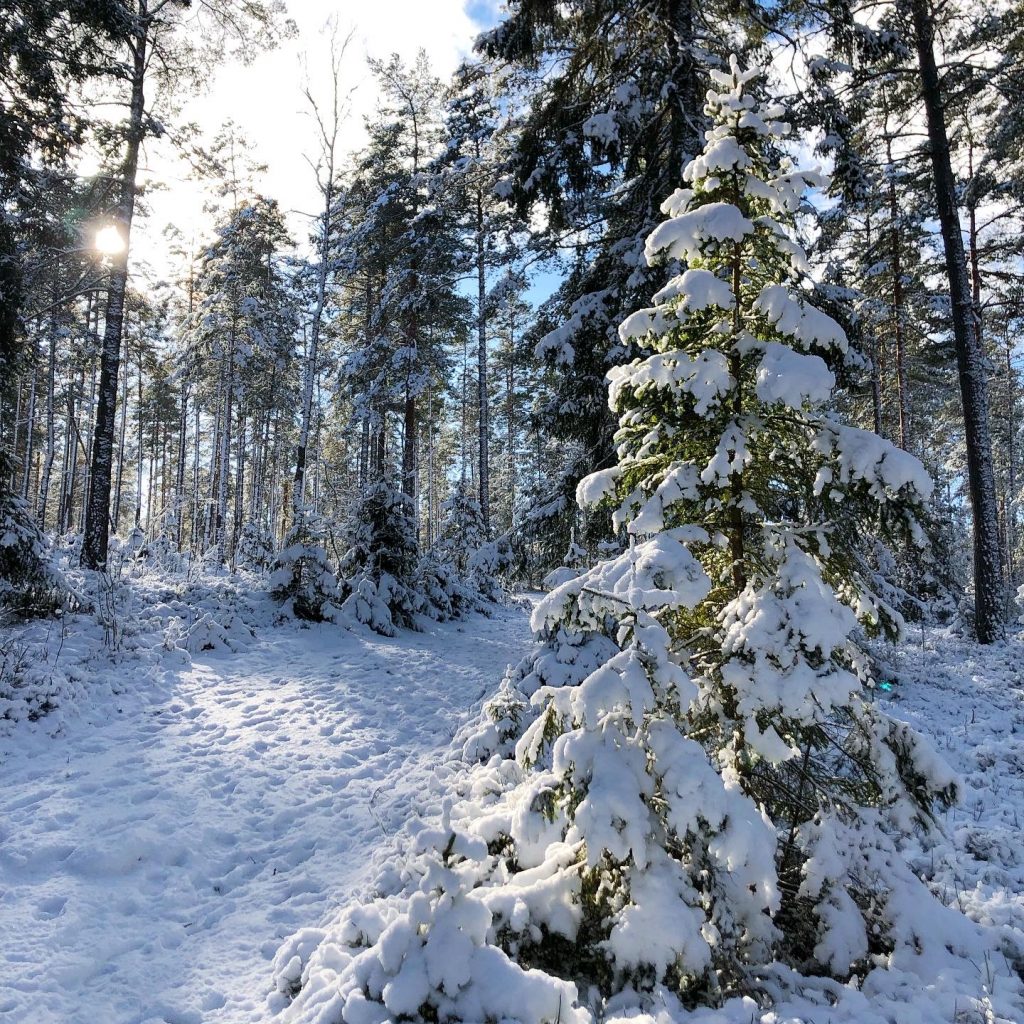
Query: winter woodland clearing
pixel 573 575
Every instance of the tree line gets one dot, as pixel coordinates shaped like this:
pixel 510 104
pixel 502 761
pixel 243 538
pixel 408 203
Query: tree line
pixel 371 379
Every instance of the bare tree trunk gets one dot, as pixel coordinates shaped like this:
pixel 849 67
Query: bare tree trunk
pixel 898 320
pixel 30 429
pixel 988 583
pixel 51 440
pixel 328 131
pixel 483 425
pixel 97 514
pixel 121 434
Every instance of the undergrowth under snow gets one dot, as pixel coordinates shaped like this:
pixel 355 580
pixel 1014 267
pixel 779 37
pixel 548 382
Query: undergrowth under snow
pixel 211 780
pixel 969 954
pixel 212 777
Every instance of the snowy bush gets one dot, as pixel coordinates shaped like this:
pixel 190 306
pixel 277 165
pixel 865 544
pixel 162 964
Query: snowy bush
pixel 491 567
pixel 688 784
pixel 303 579
pixel 387 584
pixel 30 687
pixel 574 564
pixel 463 570
pixel 379 566
pixel 30 584
pixel 255 548
pixel 210 633
pixel 446 593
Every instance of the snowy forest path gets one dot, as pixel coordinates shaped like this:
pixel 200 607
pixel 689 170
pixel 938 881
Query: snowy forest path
pixel 151 863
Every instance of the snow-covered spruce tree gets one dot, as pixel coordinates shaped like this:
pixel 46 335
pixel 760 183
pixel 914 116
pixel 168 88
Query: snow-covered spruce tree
pixel 716 792
pixel 255 548
pixel 378 569
pixel 730 476
pixel 446 573
pixel 462 528
pixel 463 571
pixel 30 584
pixel 303 579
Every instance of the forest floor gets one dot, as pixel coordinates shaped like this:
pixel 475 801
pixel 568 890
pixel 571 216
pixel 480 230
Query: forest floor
pixel 154 854
pixel 162 833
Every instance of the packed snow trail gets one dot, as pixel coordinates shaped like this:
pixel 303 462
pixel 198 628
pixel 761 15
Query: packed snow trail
pixel 154 856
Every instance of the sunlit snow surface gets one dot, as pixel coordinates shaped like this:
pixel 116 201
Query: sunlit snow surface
pixel 154 855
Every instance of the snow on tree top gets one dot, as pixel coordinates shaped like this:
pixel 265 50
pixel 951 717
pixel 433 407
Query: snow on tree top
pixel 685 237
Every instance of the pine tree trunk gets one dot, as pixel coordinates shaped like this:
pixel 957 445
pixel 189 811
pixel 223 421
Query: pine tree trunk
pixel 121 434
pixel 94 334
pixel 364 453
pixel 51 439
pixel 97 515
pixel 483 425
pixel 196 479
pixel 225 452
pixel 15 435
pixel 874 354
pixel 209 518
pixel 899 334
pixel 30 429
pixel 736 526
pixel 430 468
pixel 74 440
pixel 510 432
pixel 970 354
pixel 464 437
pixel 687 120
pixel 1011 461
pixel 409 420
pixel 179 479
pixel 67 453
pixel 240 457
pixel 298 492
pixel 139 446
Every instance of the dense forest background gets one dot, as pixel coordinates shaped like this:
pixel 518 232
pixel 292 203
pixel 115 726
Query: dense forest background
pixel 422 372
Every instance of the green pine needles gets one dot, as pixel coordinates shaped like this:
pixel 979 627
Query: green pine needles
pixel 689 782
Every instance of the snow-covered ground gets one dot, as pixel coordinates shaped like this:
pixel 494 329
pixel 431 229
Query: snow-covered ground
pixel 190 815
pixel 970 701
pixel 154 854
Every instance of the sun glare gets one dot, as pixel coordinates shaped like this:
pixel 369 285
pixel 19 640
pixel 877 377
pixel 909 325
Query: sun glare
pixel 109 241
